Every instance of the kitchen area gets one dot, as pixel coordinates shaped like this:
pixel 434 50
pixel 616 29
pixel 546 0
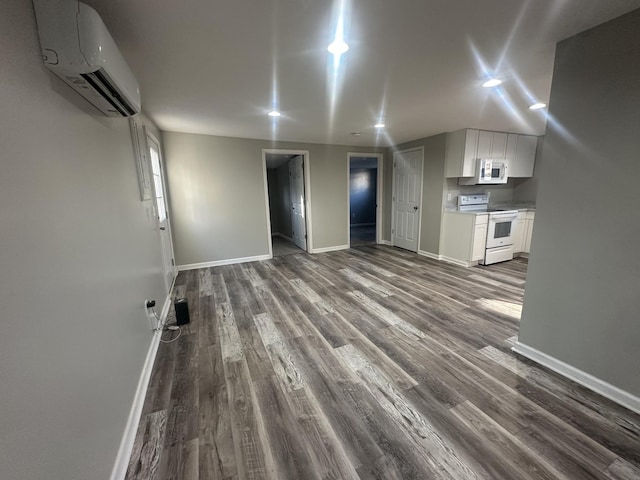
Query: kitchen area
pixel 489 204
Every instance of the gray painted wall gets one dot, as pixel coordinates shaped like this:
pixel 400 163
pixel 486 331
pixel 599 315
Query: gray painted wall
pixel 526 189
pixel 79 254
pixel 218 197
pixel 581 301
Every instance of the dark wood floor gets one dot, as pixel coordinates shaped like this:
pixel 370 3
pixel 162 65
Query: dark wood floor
pixel 367 363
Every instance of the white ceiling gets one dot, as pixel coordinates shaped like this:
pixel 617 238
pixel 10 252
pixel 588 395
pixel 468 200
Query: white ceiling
pixel 216 67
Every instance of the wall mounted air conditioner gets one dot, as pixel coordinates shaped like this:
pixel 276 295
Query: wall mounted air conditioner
pixel 77 47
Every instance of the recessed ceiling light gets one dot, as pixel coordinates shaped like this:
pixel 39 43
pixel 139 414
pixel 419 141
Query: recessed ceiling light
pixel 537 106
pixel 274 113
pixel 492 82
pixel 379 125
pixel 338 47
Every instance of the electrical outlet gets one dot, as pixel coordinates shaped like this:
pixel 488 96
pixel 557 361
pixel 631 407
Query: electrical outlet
pixel 449 197
pixel 151 318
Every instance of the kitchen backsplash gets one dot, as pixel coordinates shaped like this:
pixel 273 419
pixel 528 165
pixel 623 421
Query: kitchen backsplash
pixel 498 193
pixel 516 190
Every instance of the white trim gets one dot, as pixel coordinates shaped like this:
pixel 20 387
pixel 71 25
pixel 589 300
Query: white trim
pixel 306 171
pixel 266 202
pixel 424 253
pixel 379 193
pixel 393 190
pixel 455 261
pixel 228 261
pixel 386 242
pixel 380 199
pixel 126 443
pixel 585 379
pixel 330 249
pixel 307 198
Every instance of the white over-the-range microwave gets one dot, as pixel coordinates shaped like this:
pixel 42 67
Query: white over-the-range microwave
pixel 488 172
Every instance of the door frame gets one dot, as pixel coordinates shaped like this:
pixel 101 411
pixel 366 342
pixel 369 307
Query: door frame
pixel 307 193
pixel 393 191
pixel 148 134
pixel 379 196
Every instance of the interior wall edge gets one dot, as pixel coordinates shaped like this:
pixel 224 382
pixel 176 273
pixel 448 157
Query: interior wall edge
pixel 133 421
pixel 616 394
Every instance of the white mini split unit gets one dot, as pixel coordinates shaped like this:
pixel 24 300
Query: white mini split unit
pixel 77 47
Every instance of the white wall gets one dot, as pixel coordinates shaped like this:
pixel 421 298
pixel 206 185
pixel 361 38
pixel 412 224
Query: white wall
pixel 218 196
pixel 581 301
pixel 79 254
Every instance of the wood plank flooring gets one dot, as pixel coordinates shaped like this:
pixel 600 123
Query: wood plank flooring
pixel 368 363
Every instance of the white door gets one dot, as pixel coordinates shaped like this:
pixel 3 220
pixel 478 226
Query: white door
pixel 296 186
pixel 161 210
pixel 407 194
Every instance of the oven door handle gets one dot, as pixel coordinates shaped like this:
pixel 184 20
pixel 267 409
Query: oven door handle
pixel 503 217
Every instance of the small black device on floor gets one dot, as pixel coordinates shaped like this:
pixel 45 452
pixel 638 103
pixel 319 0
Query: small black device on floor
pixel 182 311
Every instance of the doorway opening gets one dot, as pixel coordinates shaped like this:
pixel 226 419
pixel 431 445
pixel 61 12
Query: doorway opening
pixel 162 212
pixel 286 175
pixel 365 197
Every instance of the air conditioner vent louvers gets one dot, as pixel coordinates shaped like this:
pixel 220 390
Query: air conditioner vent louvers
pixel 98 81
pixel 77 47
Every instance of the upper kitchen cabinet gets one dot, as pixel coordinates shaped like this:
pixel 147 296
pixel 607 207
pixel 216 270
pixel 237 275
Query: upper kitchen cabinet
pixel 460 157
pixel 465 146
pixel 521 152
pixel 492 145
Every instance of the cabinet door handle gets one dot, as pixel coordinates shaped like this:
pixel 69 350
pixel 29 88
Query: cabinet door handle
pixel 415 208
pixel 163 228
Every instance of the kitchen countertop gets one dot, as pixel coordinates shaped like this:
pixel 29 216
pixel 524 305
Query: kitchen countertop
pixel 520 206
pixel 455 210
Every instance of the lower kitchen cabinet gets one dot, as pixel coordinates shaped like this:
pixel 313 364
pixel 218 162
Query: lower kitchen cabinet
pixel 464 237
pixel 479 238
pixel 527 239
pixel 522 232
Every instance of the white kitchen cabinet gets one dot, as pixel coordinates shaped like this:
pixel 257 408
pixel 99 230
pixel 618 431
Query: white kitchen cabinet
pixel 519 232
pixel 465 146
pixel 464 237
pixel 492 145
pixel 529 231
pixel 521 152
pixel 479 238
pixel 522 231
pixel 460 156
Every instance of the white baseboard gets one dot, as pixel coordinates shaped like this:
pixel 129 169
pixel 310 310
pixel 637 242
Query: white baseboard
pixel 329 249
pixel 605 389
pixel 126 444
pixel 385 242
pixel 424 253
pixel 455 261
pixel 217 263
